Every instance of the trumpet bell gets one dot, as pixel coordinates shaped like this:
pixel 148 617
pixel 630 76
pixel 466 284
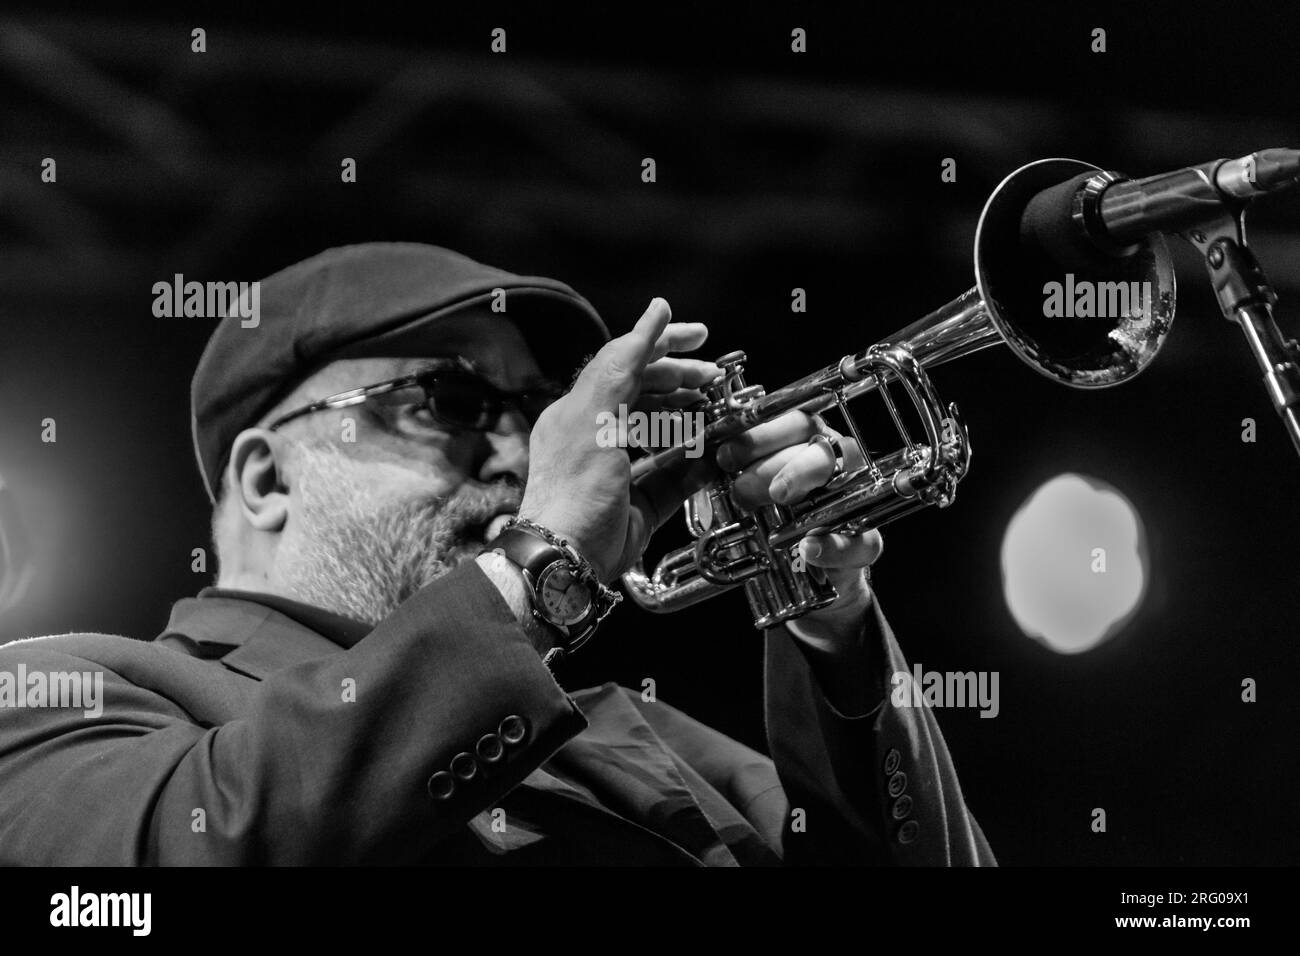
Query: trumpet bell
pixel 1127 300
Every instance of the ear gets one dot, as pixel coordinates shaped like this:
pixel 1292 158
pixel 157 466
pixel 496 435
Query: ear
pixel 258 479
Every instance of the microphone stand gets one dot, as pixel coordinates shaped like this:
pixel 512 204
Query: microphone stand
pixel 1246 298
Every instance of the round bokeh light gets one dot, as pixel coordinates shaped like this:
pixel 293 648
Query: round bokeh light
pixel 1074 563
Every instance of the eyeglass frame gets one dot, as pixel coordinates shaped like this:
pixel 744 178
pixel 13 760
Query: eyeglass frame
pixel 357 396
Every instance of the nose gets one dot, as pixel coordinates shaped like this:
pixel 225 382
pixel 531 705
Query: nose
pixel 508 448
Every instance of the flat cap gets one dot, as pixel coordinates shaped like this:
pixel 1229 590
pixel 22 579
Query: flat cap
pixel 376 299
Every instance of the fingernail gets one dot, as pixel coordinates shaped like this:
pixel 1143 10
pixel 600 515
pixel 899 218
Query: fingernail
pixel 812 549
pixel 726 458
pixel 780 490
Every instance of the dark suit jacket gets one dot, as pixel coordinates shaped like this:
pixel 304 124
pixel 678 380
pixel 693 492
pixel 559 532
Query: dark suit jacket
pixel 261 731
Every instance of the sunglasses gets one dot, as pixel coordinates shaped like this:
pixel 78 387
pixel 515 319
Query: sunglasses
pixel 454 394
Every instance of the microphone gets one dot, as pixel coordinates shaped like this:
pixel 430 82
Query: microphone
pixel 1096 216
pixel 1093 223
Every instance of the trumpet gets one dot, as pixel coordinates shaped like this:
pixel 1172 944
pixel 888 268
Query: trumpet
pixel 758 549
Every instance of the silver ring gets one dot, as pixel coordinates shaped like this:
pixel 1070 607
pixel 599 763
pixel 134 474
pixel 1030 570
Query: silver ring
pixel 836 449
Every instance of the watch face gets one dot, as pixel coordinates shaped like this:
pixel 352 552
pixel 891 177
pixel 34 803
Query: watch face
pixel 564 599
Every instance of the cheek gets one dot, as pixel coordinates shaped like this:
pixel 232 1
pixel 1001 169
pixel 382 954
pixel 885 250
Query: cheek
pixel 410 481
pixel 402 470
pixel 363 488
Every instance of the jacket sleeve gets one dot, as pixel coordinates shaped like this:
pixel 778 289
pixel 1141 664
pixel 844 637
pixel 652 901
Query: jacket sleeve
pixel 447 684
pixel 877 788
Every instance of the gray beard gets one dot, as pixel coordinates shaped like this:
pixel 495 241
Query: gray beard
pixel 361 554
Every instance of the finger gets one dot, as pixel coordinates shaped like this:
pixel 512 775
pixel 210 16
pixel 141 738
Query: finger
pixel 842 550
pixel 618 365
pixel 680 337
pixel 763 439
pixel 785 476
pixel 790 474
pixel 645 335
pixel 752 487
pixel 841 453
pixel 810 468
pixel 668 374
pixel 852 452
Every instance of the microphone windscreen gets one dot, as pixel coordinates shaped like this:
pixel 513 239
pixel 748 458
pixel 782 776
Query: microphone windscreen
pixel 1048 226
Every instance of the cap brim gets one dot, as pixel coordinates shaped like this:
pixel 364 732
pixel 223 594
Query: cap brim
pixel 560 332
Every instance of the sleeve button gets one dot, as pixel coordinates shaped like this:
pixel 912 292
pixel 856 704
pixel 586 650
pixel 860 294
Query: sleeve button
pixel 897 784
pixel 513 730
pixel 464 767
pixel 908 832
pixel 489 748
pixel 442 785
pixel 902 807
pixel 892 760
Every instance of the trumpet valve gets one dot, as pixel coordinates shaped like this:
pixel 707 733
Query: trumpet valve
pixel 729 393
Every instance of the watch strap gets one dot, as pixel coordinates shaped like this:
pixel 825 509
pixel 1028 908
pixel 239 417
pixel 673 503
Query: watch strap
pixel 531 553
pixel 533 548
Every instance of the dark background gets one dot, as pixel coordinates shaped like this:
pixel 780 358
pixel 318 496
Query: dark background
pixel 774 171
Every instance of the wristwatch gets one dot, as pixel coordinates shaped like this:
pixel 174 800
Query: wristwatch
pixel 563 589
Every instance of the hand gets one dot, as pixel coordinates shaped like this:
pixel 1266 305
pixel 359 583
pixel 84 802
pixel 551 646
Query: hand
pixel 778 465
pixel 582 491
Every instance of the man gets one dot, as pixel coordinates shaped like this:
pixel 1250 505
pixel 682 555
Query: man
pixel 369 680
